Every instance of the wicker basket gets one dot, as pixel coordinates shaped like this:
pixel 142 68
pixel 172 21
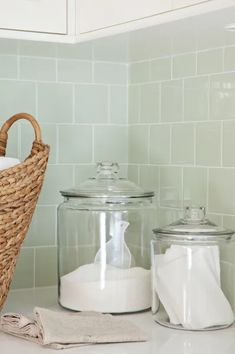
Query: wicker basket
pixel 19 190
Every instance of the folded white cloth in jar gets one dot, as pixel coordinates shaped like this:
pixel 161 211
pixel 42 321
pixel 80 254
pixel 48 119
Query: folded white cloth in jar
pixel 188 285
pixel 60 330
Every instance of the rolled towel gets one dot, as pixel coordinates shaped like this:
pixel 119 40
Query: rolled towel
pixel 60 330
pixel 7 162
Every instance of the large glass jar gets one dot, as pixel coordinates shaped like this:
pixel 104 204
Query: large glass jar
pixel 193 273
pixel 104 232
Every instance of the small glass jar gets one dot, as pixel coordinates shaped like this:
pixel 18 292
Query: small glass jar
pixel 193 273
pixel 104 230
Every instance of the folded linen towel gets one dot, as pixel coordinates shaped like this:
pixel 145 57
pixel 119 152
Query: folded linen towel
pixel 60 330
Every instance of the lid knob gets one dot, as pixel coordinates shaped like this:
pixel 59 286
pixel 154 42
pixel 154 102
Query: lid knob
pixel 107 169
pixel 194 214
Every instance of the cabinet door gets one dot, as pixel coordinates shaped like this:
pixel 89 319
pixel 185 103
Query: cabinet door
pixel 97 14
pixel 176 4
pixel 48 16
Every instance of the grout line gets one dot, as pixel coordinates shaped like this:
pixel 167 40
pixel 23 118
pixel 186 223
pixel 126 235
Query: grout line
pixel 171 152
pixel 223 60
pixel 19 142
pixel 56 70
pixel 148 147
pixel 182 186
pixel 138 173
pixel 109 104
pixel 93 144
pixel 36 99
pixel 207 189
pixel 194 144
pixel 73 103
pixel 160 102
pixel 57 145
pixel 221 142
pixel 183 108
pixel 171 74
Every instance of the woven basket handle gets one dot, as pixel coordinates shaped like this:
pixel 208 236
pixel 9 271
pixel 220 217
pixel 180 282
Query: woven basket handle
pixel 6 126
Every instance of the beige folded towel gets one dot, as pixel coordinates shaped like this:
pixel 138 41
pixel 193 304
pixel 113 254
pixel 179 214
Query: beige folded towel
pixel 61 330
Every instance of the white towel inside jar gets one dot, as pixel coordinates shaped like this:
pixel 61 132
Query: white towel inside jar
pixel 188 285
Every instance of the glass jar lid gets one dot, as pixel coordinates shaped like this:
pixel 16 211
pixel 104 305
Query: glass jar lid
pixel 107 184
pixel 193 225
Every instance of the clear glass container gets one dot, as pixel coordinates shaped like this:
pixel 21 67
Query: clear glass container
pixel 104 230
pixel 193 273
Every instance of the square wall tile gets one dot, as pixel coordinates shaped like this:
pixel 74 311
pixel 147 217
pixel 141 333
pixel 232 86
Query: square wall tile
pixel 75 51
pixel 24 271
pixel 215 218
pixel 196 99
pixel 111 143
pixel 110 73
pixel 229 143
pixel 46 266
pixel 222 96
pixel 91 104
pixel 139 72
pixel 184 65
pixel 138 144
pixel 111 49
pixel 49 137
pixel 210 61
pixel 222 191
pixel 57 178
pixel 149 178
pixel 172 101
pixel 167 216
pixel 195 186
pixel 118 104
pixel 133 173
pixel 40 69
pixel 183 143
pixel 208 144
pixel 160 144
pixel 133 104
pixel 8 66
pixel 160 69
pixel 229 222
pixel 42 231
pixel 83 172
pixel 74 71
pixel 8 46
pixel 75 144
pixel 37 49
pixel 171 186
pixel 149 103
pixel 16 96
pixel 229 59
pixel 55 103
pixel 12 149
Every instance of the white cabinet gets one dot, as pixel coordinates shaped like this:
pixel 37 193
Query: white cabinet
pixel 72 21
pixel 46 16
pixel 176 4
pixel 97 14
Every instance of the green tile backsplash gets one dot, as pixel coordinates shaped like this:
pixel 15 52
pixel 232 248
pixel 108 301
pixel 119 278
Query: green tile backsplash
pixel 169 120
pixel 80 99
pixel 191 142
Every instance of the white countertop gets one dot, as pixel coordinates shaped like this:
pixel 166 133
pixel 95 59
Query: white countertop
pixel 163 340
